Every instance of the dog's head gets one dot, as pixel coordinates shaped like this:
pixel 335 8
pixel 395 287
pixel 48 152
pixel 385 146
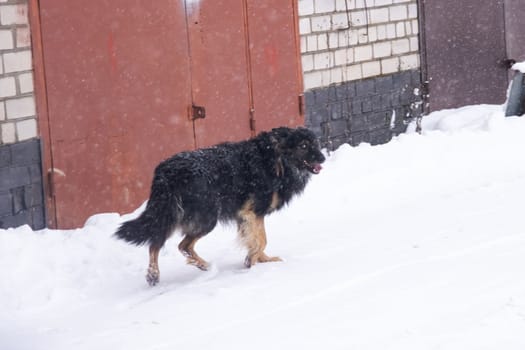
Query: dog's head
pixel 299 147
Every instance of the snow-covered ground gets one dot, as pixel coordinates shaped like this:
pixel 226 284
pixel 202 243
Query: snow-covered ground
pixel 416 244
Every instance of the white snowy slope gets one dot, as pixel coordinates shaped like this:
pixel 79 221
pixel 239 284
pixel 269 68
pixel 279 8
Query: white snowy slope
pixel 416 244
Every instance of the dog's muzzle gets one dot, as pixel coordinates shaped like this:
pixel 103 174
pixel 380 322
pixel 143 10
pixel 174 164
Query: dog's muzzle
pixel 314 168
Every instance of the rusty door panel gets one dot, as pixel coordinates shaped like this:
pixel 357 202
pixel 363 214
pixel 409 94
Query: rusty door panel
pixel 464 43
pixel 114 108
pixel 219 70
pixel 276 71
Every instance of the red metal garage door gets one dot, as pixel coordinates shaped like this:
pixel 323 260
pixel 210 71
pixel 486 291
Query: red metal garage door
pixel 276 72
pixel 219 70
pixel 120 78
pixel 114 107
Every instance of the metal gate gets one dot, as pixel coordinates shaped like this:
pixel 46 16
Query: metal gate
pixel 463 52
pixel 124 84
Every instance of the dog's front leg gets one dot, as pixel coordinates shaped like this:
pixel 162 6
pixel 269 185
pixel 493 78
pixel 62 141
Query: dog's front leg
pixel 253 235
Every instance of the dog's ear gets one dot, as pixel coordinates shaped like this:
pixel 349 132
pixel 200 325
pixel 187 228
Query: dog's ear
pixel 279 137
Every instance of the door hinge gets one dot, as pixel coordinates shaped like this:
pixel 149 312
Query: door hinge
pixel 198 112
pixel 301 104
pixel 51 174
pixel 252 120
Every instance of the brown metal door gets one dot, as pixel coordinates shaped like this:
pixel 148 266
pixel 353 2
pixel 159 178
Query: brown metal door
pixel 464 43
pixel 117 77
pixel 276 71
pixel 219 70
pixel 514 28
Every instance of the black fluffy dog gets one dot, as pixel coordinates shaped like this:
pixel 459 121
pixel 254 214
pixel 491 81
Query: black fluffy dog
pixel 241 181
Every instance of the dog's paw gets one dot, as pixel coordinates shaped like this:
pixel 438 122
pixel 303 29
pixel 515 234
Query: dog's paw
pixel 199 263
pixel 153 277
pixel 260 258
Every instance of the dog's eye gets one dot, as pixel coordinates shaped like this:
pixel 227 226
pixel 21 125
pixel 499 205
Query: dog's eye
pixel 303 145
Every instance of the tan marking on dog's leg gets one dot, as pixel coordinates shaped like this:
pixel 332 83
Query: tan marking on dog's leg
pixel 153 275
pixel 186 247
pixel 253 236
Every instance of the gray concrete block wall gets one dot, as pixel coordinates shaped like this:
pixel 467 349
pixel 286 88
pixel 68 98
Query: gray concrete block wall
pixel 21 194
pixel 369 110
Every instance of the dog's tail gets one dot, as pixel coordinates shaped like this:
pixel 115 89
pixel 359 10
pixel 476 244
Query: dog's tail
pixel 154 225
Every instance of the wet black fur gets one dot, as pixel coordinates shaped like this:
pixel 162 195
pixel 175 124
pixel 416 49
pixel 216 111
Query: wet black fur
pixel 194 190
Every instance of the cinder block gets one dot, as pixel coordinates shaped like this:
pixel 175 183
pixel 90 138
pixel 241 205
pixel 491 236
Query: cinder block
pixel 372 34
pixel 6 40
pixel 382 2
pixel 398 13
pixel 13 14
pixel 23 37
pixel 321 23
pixel 25 82
pixel 344 5
pixel 322 41
pixel 25 153
pixel 306 7
pixel 363 53
pixel 400 46
pixel 5 156
pixel 353 72
pixel 379 15
pixel 343 56
pixel 18 61
pixel 324 6
pixel 8 132
pixel 20 107
pixel 321 60
pixel 14 177
pixel 6 204
pixel 409 62
pixel 308 62
pixel 382 49
pixel 414 43
pixel 412 11
pixel 400 29
pixel 304 26
pixel 371 69
pixel 390 31
pixel 340 21
pixel 313 79
pixel 26 129
pixel 2 110
pixel 358 18
pixel 311 43
pixel 390 65
pixel 7 87
pixel 333 40
pixel 381 32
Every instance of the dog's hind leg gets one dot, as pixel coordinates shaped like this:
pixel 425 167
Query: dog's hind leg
pixel 253 235
pixel 186 247
pixel 153 269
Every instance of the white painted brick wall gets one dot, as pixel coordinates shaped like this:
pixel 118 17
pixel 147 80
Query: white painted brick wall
pixel 344 40
pixel 18 119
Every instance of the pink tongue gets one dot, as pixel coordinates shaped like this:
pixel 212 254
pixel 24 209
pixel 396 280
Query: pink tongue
pixel 317 168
